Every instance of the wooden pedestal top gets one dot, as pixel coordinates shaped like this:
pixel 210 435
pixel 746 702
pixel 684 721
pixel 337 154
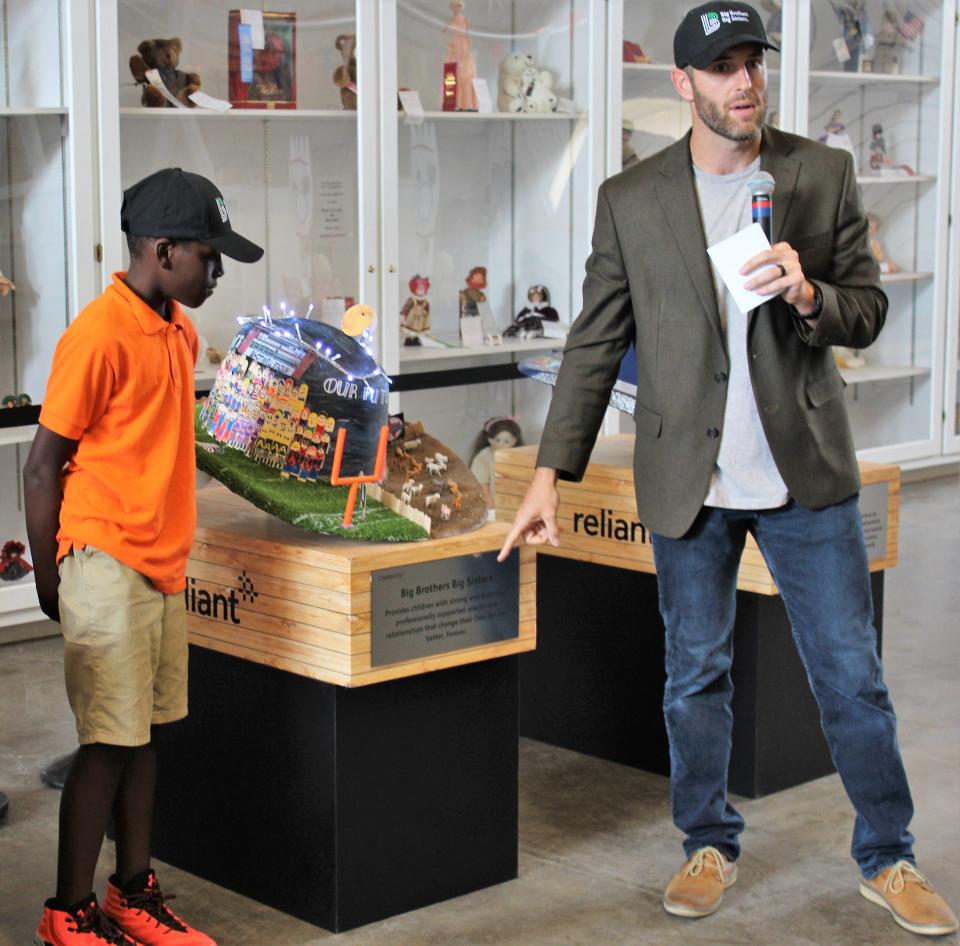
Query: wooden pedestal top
pixel 599 522
pixel 301 602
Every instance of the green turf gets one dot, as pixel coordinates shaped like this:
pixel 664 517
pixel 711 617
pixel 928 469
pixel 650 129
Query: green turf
pixel 316 507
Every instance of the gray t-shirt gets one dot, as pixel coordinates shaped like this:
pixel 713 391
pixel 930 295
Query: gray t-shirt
pixel 745 476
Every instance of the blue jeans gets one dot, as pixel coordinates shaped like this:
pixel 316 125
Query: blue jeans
pixel 819 562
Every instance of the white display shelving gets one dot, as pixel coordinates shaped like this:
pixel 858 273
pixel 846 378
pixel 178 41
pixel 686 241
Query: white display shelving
pixel 47 234
pixel 902 403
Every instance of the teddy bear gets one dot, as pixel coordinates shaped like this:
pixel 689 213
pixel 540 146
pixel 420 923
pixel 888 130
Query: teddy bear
pixel 538 93
pixel 164 56
pixel 510 82
pixel 345 75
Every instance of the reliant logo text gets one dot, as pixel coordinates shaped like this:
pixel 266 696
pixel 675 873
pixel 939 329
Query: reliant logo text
pixel 219 606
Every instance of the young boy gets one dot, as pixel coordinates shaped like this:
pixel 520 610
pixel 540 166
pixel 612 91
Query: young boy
pixel 109 490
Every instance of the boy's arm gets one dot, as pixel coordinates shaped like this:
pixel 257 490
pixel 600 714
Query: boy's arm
pixel 43 495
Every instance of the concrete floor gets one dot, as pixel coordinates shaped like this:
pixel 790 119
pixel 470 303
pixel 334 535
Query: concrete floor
pixel 596 841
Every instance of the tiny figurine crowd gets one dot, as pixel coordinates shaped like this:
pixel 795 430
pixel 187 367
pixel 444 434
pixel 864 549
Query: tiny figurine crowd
pixel 266 417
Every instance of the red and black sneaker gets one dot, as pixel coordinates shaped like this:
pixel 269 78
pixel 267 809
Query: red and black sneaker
pixel 84 924
pixel 141 911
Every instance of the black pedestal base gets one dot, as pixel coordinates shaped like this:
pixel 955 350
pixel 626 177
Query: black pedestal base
pixel 342 806
pixel 595 682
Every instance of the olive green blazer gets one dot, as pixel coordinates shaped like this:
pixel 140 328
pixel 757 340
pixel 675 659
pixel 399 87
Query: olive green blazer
pixel 649 280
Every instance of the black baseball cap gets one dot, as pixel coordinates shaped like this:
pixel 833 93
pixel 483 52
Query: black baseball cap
pixel 709 30
pixel 175 203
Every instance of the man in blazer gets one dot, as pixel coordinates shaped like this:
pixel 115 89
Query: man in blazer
pixel 741 427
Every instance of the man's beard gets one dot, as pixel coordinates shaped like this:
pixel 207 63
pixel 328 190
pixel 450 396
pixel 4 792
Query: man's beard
pixel 724 125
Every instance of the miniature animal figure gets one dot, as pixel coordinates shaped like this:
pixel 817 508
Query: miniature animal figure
pixel 430 499
pixel 445 512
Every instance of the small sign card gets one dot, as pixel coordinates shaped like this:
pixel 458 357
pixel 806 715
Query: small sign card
pixel 412 106
pixel 484 102
pixel 254 19
pixel 208 101
pixel 450 604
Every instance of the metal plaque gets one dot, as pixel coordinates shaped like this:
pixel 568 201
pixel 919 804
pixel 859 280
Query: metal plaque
pixel 873 512
pixel 435 607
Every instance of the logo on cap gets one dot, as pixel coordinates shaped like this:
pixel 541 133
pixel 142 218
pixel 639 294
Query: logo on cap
pixel 222 207
pixel 711 23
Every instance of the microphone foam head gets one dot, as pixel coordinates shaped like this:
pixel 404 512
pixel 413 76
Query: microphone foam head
pixel 762 183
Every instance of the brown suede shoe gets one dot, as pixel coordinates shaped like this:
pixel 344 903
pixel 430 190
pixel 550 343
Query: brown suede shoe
pixel 697 888
pixel 910 897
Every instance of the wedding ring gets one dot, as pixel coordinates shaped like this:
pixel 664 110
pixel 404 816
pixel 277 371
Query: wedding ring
pixel 782 268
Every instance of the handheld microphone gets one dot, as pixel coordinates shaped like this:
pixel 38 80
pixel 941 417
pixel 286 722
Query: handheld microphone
pixel 761 190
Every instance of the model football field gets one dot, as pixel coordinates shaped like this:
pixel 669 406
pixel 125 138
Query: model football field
pixel 316 507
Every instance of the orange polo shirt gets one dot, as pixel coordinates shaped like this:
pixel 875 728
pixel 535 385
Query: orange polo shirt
pixel 122 385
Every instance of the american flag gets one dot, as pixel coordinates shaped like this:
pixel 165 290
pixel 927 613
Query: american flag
pixel 911 27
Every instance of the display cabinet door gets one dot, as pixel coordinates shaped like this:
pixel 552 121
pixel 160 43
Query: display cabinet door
pixel 46 238
pixel 491 160
pixel 875 80
pixel 277 127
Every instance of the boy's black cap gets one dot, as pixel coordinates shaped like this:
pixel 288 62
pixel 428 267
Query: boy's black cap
pixel 175 203
pixel 709 30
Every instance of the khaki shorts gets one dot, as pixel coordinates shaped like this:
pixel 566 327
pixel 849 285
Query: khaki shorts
pixel 125 655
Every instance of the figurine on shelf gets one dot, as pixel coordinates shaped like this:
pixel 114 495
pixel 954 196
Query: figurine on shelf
pixel 886 53
pixel 498 433
pixel 472 297
pixel 345 75
pixel 9 401
pixel 164 56
pixel 460 55
pixel 12 563
pixel 6 287
pixel 836 135
pixel 876 247
pixel 24 400
pixel 415 314
pixel 851 15
pixel 633 53
pixel 529 320
pixel 878 149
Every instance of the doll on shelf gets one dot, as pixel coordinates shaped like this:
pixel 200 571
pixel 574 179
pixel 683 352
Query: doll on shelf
pixel 6 287
pixel 457 31
pixel 851 16
pixel 528 322
pixel 876 247
pixel 473 296
pixel 498 433
pixel 887 43
pixel 12 563
pixel 415 314
pixel 878 149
